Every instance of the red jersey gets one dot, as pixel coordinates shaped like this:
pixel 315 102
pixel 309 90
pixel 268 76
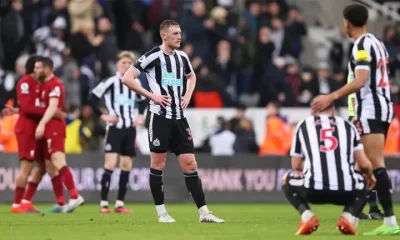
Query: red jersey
pixel 30 109
pixel 54 88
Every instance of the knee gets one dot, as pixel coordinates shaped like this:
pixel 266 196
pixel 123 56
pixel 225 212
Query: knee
pixel 158 164
pixel 126 164
pixel 111 161
pixel 190 166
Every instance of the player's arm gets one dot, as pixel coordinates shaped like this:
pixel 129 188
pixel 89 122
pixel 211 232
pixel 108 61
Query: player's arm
pixel 96 95
pixel 190 75
pixel 140 101
pixel 296 150
pixel 50 111
pixel 362 69
pixel 129 80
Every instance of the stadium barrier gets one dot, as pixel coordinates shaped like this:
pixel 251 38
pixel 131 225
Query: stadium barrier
pixel 241 178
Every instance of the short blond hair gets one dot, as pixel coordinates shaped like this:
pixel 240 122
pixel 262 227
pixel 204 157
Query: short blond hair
pixel 126 54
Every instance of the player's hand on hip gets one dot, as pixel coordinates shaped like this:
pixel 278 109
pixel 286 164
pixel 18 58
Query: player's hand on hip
pixel 163 100
pixel 320 103
pixel 39 131
pixel 371 181
pixel 109 118
pixel 185 101
pixel 139 121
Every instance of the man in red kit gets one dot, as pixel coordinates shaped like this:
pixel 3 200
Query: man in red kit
pixel 28 89
pixel 52 130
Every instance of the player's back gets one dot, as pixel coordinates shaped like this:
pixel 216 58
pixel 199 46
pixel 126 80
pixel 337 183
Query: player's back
pixel 28 90
pixel 373 101
pixel 328 143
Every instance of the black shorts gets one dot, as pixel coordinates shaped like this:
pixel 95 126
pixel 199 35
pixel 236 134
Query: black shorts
pixel 121 141
pixel 166 135
pixel 336 197
pixel 371 126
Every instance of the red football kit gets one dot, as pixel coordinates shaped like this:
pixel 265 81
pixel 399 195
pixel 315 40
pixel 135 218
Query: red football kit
pixel 30 112
pixel 55 130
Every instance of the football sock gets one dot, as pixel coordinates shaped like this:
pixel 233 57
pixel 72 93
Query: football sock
pixel 306 215
pixel 372 201
pixel 68 181
pixel 105 184
pixel 194 186
pixel 18 195
pixel 30 191
pixel 58 190
pixel 295 199
pixel 383 187
pixel 123 185
pixel 156 186
pixel 355 208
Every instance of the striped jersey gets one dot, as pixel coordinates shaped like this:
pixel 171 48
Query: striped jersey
pixel 373 100
pixel 119 100
pixel 327 145
pixel 166 74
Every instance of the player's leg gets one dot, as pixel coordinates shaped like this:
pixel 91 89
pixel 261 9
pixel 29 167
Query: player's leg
pixel 293 187
pixel 36 178
pixel 373 139
pixel 58 188
pixel 184 150
pixel 26 152
pixel 126 161
pixel 111 151
pixel 159 131
pixel 55 151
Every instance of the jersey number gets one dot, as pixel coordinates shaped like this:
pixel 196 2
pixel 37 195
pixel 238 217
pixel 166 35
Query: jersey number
pixel 383 67
pixel 332 142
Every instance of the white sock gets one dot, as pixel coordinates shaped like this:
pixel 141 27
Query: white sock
pixel 204 210
pixel 348 216
pixel 355 223
pixel 391 221
pixel 307 215
pixel 103 203
pixel 25 201
pixel 15 205
pixel 161 209
pixel 119 203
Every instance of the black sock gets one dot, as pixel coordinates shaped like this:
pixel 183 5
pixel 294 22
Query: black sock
pixel 358 204
pixel 295 199
pixel 105 184
pixel 123 185
pixel 383 188
pixel 194 186
pixel 372 201
pixel 156 186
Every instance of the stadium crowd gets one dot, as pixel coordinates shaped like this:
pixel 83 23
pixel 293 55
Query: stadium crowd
pixel 243 55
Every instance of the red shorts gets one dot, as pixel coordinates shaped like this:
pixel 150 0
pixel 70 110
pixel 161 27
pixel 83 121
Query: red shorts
pixel 29 148
pixel 53 143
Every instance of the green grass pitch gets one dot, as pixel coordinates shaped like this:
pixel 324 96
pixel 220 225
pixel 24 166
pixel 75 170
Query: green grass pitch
pixel 243 221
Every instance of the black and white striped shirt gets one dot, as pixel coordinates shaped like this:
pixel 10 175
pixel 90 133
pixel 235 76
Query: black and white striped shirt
pixel 327 145
pixel 166 74
pixel 119 100
pixel 373 100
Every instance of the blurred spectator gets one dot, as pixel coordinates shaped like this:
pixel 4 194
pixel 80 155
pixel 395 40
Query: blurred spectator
pixel 8 140
pixel 278 131
pixel 74 131
pixel 245 138
pixel 58 9
pixel 93 130
pixel 106 52
pixel 291 85
pixel 240 115
pixel 70 76
pixel 341 51
pixel 282 38
pixel 221 143
pixel 49 41
pixel 263 56
pixel 271 88
pixel 82 12
pixel 297 29
pixel 210 90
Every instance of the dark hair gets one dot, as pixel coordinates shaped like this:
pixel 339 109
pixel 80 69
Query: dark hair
pixel 47 62
pixel 356 14
pixel 30 64
pixel 276 104
pixel 168 23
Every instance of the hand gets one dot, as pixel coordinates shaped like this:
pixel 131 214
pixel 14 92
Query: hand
pixel 139 121
pixel 321 102
pixel 357 124
pixel 8 110
pixel 109 118
pixel 185 101
pixel 163 100
pixel 39 131
pixel 371 181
